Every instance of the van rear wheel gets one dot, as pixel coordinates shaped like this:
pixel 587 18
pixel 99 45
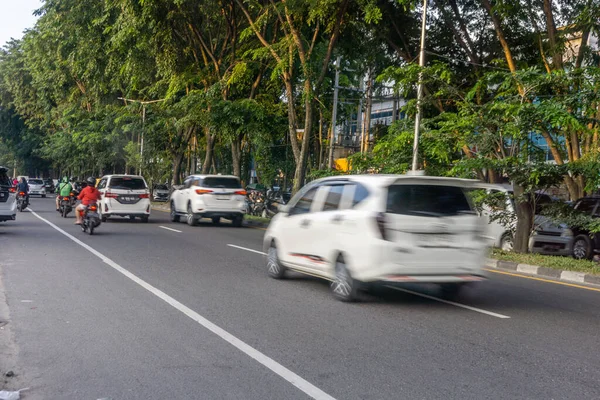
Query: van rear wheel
pixel 174 215
pixel 451 291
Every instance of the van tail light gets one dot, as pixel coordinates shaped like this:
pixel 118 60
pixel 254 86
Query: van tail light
pixel 203 191
pixel 144 196
pixel 241 192
pixel 380 221
pixel 12 190
pixel 94 208
pixel 109 195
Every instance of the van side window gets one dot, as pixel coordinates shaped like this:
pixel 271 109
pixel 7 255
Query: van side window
pixel 334 197
pixel 304 203
pixel 188 182
pixel 359 193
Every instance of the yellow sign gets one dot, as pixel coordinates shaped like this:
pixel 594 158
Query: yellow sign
pixel 342 164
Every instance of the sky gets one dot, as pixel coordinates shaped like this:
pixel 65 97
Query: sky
pixel 15 17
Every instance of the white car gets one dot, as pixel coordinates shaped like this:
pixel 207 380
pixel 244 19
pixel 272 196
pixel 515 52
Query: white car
pixel 37 187
pixel 124 196
pixel 363 229
pixel 8 197
pixel 209 196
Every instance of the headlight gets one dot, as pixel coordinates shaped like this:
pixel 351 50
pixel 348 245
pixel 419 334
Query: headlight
pixel 567 233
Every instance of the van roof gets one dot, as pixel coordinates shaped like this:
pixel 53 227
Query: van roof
pixel 388 179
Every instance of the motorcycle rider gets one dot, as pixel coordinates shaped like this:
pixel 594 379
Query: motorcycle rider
pixel 88 196
pixel 64 190
pixel 23 186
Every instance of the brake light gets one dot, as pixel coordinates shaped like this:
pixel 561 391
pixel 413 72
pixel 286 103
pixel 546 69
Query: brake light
pixel 203 191
pixel 241 192
pixel 72 194
pixel 380 220
pixel 144 196
pixel 110 195
pixel 66 198
pixel 21 193
pixel 12 190
pixel 93 208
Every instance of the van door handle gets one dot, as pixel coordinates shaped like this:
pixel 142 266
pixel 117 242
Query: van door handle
pixel 305 223
pixel 337 219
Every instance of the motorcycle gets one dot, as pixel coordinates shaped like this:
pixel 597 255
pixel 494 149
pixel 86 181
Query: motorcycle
pixel 22 202
pixel 91 219
pixel 66 205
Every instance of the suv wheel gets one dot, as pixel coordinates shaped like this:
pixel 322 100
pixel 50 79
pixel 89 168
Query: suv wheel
pixel 582 248
pixel 237 221
pixel 145 219
pixel 191 218
pixel 216 220
pixel 344 287
pixel 174 215
pixel 274 267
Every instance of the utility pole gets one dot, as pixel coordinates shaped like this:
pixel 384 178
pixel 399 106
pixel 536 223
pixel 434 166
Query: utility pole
pixel 420 88
pixel 334 113
pixel 143 103
pixel 364 145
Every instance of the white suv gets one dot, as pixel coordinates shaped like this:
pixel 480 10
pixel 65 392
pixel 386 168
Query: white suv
pixel 379 228
pixel 8 197
pixel 124 196
pixel 209 196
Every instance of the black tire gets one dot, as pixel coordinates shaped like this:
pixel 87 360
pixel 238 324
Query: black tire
pixel 191 218
pixel 103 218
pixel 145 219
pixel 64 212
pixel 216 220
pixel 91 231
pixel 274 267
pixel 343 286
pixel 238 221
pixel 582 248
pixel 174 215
pixel 43 196
pixel 451 291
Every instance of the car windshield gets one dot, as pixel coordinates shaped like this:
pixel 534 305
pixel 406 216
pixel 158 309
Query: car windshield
pixel 224 183
pixel 586 206
pixel 127 183
pixel 161 187
pixel 36 182
pixel 427 200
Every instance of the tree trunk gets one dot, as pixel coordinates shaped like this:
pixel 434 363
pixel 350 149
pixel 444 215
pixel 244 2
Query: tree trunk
pixel 300 172
pixel 177 160
pixel 208 158
pixel 524 220
pixel 236 156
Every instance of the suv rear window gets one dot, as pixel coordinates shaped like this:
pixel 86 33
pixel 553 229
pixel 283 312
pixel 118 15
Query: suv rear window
pixel 427 200
pixel 221 183
pixel 36 182
pixel 127 183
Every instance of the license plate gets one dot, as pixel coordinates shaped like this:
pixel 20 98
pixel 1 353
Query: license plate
pixel 128 198
pixel 435 240
pixel 222 197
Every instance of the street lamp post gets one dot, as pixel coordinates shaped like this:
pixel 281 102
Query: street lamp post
pixel 143 103
pixel 420 88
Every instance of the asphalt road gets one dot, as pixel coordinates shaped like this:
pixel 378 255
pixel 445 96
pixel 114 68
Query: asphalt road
pixel 138 311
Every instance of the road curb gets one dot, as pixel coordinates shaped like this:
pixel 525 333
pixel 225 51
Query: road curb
pixel 545 272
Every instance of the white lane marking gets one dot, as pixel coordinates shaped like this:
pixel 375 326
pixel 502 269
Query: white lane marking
pixel 169 229
pixel 247 249
pixel 479 310
pixel 302 384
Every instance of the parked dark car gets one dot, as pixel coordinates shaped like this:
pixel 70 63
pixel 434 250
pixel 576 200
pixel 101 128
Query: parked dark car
pixel 49 186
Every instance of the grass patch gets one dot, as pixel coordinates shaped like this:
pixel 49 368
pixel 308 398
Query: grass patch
pixel 255 218
pixel 556 262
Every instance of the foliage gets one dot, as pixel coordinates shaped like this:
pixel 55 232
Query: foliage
pixel 561 263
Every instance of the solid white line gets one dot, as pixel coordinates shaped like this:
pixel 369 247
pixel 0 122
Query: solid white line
pixel 247 249
pixel 250 351
pixel 169 229
pixel 479 310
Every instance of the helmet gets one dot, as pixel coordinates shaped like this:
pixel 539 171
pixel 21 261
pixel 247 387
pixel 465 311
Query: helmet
pixel 65 179
pixel 91 180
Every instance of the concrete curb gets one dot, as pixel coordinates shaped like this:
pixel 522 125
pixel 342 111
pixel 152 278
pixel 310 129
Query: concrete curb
pixel 545 272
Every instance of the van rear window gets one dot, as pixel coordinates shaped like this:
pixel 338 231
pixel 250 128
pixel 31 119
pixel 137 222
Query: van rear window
pixel 427 200
pixel 221 183
pixel 127 183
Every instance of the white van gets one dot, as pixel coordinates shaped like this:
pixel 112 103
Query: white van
pixel 124 196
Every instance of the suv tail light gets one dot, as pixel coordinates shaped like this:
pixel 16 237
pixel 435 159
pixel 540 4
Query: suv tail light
pixel 144 196
pixel 110 195
pixel 12 190
pixel 21 193
pixel 380 220
pixel 203 191
pixel 241 192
